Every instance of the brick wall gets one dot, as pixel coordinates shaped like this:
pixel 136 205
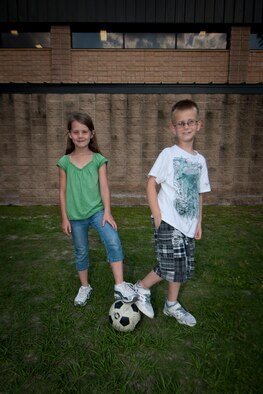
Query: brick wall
pixel 25 65
pixel 63 64
pixel 255 67
pixel 131 66
pixel 131 129
pixel 239 54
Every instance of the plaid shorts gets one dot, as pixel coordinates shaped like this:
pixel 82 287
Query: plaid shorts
pixel 175 254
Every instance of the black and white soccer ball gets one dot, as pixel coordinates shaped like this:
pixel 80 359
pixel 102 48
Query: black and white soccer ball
pixel 124 316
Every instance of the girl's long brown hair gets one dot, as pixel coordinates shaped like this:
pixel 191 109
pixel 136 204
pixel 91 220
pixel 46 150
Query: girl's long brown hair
pixel 87 121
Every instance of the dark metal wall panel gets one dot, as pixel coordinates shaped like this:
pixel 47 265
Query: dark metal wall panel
pixel 179 11
pixel 229 11
pixel 102 10
pixel 3 8
pixel 189 11
pixel 239 11
pixel 38 10
pixel 160 11
pixel 22 10
pixel 248 12
pixel 150 6
pixel 132 11
pixel 135 88
pixel 200 11
pixel 140 11
pixel 120 11
pixel 52 11
pixel 12 11
pixel 218 11
pixel 170 11
pixel 209 11
pixel 258 12
pixel 110 11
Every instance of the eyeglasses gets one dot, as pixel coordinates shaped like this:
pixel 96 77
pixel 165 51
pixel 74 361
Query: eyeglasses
pixel 190 123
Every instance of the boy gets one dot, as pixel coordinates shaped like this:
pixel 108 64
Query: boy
pixel 182 176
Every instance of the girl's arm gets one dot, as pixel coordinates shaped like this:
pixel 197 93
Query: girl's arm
pixel 66 228
pixel 198 234
pixel 105 195
pixel 152 198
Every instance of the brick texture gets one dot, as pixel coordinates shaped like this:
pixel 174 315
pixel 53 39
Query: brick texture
pixel 63 64
pixel 239 54
pixel 132 130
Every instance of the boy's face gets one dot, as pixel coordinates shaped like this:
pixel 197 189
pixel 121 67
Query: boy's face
pixel 185 125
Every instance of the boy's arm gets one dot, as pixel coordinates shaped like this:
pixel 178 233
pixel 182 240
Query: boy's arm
pixel 198 234
pixel 66 228
pixel 152 198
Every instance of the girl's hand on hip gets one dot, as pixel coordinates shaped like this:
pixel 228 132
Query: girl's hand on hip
pixel 107 217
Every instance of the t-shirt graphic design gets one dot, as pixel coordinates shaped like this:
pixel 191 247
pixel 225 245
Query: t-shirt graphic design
pixel 186 184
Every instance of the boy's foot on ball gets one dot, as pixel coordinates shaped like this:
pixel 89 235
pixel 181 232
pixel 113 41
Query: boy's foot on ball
pixel 144 300
pixel 125 292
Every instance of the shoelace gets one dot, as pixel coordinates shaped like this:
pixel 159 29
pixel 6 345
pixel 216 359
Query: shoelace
pixel 129 286
pixel 181 311
pixel 144 297
pixel 83 292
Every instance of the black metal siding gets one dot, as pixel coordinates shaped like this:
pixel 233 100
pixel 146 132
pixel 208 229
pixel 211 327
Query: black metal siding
pixel 134 88
pixel 132 11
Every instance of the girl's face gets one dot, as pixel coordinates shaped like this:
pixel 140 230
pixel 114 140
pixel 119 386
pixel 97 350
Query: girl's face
pixel 186 125
pixel 80 134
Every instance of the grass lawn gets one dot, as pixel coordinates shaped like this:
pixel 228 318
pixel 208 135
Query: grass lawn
pixel 50 346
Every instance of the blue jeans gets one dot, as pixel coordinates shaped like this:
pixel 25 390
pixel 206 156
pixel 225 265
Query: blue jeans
pixel 108 235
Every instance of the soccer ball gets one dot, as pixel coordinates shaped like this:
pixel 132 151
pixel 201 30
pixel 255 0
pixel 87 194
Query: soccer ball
pixel 124 316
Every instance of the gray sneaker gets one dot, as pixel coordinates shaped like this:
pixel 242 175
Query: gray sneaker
pixel 125 292
pixel 83 295
pixel 182 316
pixel 144 300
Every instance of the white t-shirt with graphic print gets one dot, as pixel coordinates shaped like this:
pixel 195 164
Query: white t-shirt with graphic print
pixel 182 176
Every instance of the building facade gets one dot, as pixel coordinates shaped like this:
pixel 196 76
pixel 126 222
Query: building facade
pixel 126 62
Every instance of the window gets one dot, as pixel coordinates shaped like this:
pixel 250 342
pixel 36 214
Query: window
pixel 256 41
pixel 150 40
pixel 202 40
pixel 135 40
pixel 101 39
pixel 15 39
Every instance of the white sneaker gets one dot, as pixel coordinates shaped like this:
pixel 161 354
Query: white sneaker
pixel 83 295
pixel 144 300
pixel 125 292
pixel 182 316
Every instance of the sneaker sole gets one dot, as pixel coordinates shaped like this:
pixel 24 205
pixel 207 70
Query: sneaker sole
pixel 151 316
pixel 80 304
pixel 180 322
pixel 119 296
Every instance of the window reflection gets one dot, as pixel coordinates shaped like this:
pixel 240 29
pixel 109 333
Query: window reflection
pixel 201 40
pixel 256 41
pixel 96 40
pixel 150 40
pixel 25 40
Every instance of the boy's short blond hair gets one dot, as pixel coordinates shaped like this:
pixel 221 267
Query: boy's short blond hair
pixel 184 105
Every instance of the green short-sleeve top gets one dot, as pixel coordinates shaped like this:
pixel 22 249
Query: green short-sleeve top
pixel 83 197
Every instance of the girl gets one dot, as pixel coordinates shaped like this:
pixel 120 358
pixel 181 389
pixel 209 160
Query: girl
pixel 85 201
